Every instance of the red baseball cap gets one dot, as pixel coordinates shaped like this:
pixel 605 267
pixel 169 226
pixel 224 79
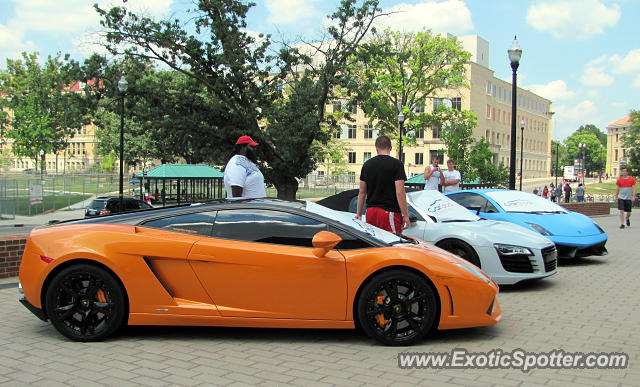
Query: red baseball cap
pixel 246 140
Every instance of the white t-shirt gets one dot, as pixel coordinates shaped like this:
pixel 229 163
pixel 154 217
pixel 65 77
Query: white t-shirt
pixel 434 180
pixel 452 175
pixel 242 172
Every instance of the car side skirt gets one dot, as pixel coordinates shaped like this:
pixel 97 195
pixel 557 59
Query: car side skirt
pixel 182 320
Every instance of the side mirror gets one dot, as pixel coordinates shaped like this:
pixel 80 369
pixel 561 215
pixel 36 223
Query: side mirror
pixel 323 242
pixel 476 209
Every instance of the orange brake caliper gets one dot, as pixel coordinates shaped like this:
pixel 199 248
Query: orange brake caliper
pixel 380 317
pixel 101 296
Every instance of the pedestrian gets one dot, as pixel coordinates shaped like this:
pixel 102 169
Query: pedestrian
pixel 545 192
pixel 382 183
pixel 580 193
pixel 535 191
pixel 242 178
pixel 625 195
pixel 452 178
pixel 559 192
pixel 433 175
pixel 567 192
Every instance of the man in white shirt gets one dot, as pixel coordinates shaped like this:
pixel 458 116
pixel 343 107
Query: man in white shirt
pixel 452 178
pixel 433 175
pixel 242 178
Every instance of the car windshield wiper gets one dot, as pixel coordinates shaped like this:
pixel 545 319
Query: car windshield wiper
pixel 404 239
pixel 458 220
pixel 536 212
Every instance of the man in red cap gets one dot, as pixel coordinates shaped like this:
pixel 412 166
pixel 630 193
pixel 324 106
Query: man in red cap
pixel 242 178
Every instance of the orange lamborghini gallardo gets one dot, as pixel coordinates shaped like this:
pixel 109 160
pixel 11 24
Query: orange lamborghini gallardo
pixel 256 263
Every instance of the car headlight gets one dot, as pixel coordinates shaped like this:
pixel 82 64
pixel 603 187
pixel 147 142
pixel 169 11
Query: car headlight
pixel 474 271
pixel 512 250
pixel 540 229
pixel 598 227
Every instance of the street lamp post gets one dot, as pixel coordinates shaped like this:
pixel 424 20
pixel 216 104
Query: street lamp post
pixel 401 124
pixel 41 165
pixel 514 57
pixel 521 150
pixel 122 87
pixel 604 162
pixel 582 146
pixel 557 160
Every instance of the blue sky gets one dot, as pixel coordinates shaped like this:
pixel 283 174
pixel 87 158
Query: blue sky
pixel 583 55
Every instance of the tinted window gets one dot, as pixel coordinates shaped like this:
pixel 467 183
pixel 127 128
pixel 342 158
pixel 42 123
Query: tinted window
pixel 97 204
pixel 470 200
pixel 113 205
pixel 131 204
pixel 267 226
pixel 349 241
pixel 195 224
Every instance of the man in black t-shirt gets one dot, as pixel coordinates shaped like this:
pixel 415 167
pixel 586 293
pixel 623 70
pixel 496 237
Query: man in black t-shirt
pixel 382 183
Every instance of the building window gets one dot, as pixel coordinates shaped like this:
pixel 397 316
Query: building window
pixel 436 153
pixel 456 103
pixel 488 87
pixel 352 131
pixel 352 157
pixel 419 158
pixel 366 156
pixel 353 109
pixel 436 131
pixel 494 91
pixel 488 112
pixel 337 106
pixel 437 102
pixel 615 157
pixel 419 133
pixel 336 133
pixel 419 107
pixel 368 131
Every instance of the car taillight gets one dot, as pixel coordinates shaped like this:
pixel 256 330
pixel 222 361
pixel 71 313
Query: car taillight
pixel 105 212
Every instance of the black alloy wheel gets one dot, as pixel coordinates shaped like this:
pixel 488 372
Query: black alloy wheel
pixel 397 308
pixel 461 249
pixel 85 303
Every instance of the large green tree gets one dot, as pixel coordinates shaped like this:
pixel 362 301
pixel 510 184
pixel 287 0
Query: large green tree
pixel 631 141
pixel 247 82
pixel 457 135
pixel 44 114
pixel 398 72
pixel 592 152
pixel 482 166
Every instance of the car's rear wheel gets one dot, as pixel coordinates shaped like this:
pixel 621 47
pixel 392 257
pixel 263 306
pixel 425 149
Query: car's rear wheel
pixel 461 249
pixel 397 307
pixel 85 303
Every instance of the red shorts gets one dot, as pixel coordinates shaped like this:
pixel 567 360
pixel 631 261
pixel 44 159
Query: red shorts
pixel 386 220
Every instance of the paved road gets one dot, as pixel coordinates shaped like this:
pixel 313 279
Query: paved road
pixel 591 305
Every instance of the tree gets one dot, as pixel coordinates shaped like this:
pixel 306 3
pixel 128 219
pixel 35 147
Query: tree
pixel 592 153
pixel 590 128
pixel 44 113
pixel 457 135
pixel 631 142
pixel 398 70
pixel 482 166
pixel 247 83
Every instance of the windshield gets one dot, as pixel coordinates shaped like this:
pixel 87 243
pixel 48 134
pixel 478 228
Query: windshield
pixel 97 204
pixel 433 203
pixel 349 220
pixel 517 201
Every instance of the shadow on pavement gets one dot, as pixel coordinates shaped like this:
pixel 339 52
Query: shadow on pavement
pixel 588 261
pixel 534 285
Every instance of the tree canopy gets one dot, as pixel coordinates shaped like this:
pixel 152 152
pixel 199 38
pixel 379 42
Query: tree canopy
pixel 631 141
pixel 261 94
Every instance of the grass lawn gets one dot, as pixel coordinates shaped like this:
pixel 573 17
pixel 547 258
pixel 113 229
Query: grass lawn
pixel 601 188
pixel 21 205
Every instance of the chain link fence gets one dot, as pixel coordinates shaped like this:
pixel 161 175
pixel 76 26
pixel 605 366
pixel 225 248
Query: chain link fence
pixel 31 194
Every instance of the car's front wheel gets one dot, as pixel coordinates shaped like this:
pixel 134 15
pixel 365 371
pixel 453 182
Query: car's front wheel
pixel 461 249
pixel 85 303
pixel 397 307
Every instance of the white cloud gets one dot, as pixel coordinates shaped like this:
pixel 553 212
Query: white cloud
pixel 595 73
pixel 291 11
pixel 580 19
pixel 630 64
pixel 554 90
pixel 593 94
pixel 445 16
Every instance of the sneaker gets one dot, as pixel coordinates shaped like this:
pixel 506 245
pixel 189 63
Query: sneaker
pixel 628 223
pixel 622 226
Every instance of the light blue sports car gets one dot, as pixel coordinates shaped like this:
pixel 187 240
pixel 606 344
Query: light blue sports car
pixel 574 234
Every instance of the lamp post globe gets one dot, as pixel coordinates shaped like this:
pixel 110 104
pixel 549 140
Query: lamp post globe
pixel 41 165
pixel 515 53
pixel 122 87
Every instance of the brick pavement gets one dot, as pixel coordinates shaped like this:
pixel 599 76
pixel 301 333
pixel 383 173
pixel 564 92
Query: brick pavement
pixel 591 305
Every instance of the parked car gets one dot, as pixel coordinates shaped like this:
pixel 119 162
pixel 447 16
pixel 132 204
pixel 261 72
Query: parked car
pixel 254 263
pixel 507 253
pixel 107 205
pixel 574 234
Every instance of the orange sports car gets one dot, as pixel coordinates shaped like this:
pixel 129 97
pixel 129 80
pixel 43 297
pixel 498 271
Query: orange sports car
pixel 256 263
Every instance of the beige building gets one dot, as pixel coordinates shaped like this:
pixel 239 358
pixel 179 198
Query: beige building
pixel 616 153
pixel 79 155
pixel 490 98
